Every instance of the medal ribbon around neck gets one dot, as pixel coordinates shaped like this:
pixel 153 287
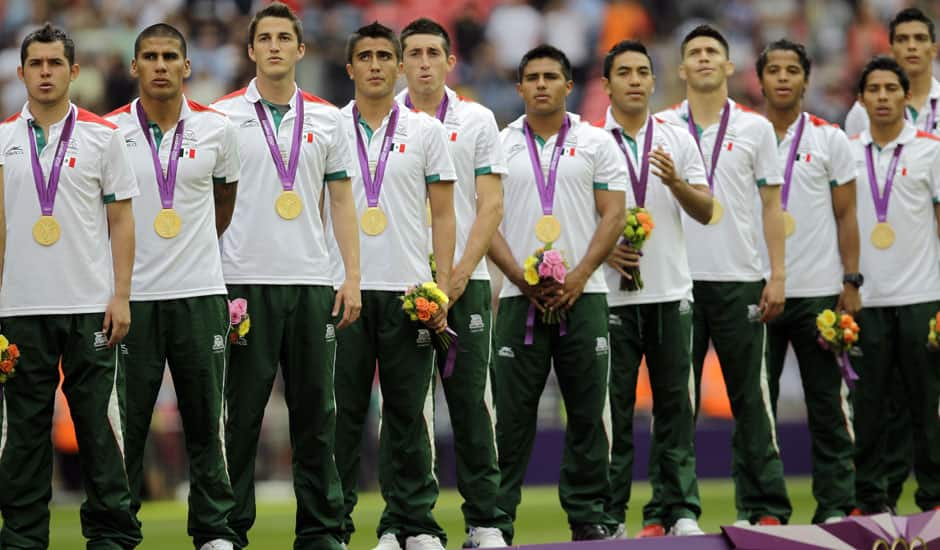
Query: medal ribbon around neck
pixel 932 116
pixel 287 174
pixel 719 140
pixel 791 160
pixel 441 109
pixel 373 184
pixel 47 192
pixel 166 184
pixel 546 188
pixel 638 184
pixel 881 199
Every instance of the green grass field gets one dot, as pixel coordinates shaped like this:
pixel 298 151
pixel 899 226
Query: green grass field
pixel 540 518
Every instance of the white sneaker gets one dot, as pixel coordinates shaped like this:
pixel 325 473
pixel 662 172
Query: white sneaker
pixel 217 544
pixel 741 523
pixel 388 541
pixel 620 533
pixel 685 527
pixel 485 537
pixel 423 542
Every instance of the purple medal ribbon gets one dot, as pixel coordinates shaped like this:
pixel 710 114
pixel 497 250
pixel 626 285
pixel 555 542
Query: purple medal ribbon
pixel 791 159
pixel 881 199
pixel 441 109
pixel 719 141
pixel 165 184
pixel 546 189
pixel 639 185
pixel 451 353
pixel 373 185
pixel 530 326
pixel 932 116
pixel 45 191
pixel 848 373
pixel 289 173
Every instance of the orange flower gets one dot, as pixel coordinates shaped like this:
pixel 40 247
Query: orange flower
pixel 6 366
pixel 423 315
pixel 849 337
pixel 647 227
pixel 938 317
pixel 13 351
pixel 855 328
pixel 433 307
pixel 421 304
pixel 643 218
pixel 846 321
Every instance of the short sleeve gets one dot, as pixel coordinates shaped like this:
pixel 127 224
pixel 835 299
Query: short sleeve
pixel 766 159
pixel 841 160
pixel 438 165
pixel 856 121
pixel 227 165
pixel 118 181
pixel 339 160
pixel 689 162
pixel 488 155
pixel 610 170
pixel 935 177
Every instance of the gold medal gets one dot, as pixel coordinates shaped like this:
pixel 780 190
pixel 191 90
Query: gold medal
pixel 882 236
pixel 789 224
pixel 373 221
pixel 167 224
pixel 717 212
pixel 288 205
pixel 46 231
pixel 547 229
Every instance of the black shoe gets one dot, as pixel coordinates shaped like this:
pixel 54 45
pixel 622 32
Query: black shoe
pixel 587 531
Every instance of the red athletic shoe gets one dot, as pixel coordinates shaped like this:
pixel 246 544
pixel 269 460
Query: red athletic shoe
pixel 652 530
pixel 856 512
pixel 768 520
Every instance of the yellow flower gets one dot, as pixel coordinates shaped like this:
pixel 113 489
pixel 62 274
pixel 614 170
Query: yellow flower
pixel 4 343
pixel 408 305
pixel 530 262
pixel 829 334
pixel 531 276
pixel 429 285
pixel 244 326
pixel 825 319
pixel 413 316
pixel 439 296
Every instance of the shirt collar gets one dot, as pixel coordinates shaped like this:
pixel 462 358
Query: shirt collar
pixel 253 95
pixel 185 110
pixel 575 120
pixel 28 116
pixel 611 123
pixel 907 135
pixel 934 89
pixel 684 109
pixel 452 99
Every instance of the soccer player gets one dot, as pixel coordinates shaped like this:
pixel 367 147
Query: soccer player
pixel 293 156
pixel 473 143
pixel 898 200
pixel 818 199
pixel 185 157
pixel 740 154
pixel 667 177
pixel 565 188
pixel 403 162
pixel 65 296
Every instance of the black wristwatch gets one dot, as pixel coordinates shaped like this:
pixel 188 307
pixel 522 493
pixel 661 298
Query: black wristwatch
pixel 854 279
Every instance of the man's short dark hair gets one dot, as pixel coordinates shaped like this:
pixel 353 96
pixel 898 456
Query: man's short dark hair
pixel 426 26
pixel 883 63
pixel 622 47
pixel 546 51
pixel 47 34
pixel 372 30
pixel 908 15
pixel 160 30
pixel 275 9
pixel 785 45
pixel 707 31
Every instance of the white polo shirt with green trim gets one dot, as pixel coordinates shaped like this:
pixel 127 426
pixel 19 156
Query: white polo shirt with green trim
pixel 731 249
pixel 260 247
pixel 398 257
pixel 823 162
pixel 473 144
pixel 909 271
pixel 856 121
pixel 590 160
pixel 665 264
pixel 75 274
pixel 188 264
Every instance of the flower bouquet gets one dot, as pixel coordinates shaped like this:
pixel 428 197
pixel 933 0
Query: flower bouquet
pixel 238 317
pixel 839 334
pixel 420 303
pixel 546 265
pixel 635 233
pixel 933 339
pixel 9 355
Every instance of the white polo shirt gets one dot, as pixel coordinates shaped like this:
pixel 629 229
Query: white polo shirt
pixel 398 257
pixel 665 264
pixel 189 264
pixel 823 162
pixel 731 249
pixel 473 144
pixel 856 121
pixel 75 274
pixel 260 247
pixel 909 271
pixel 590 160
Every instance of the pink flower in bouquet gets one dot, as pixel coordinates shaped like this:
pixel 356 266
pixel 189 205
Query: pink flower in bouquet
pixel 558 273
pixel 545 269
pixel 553 257
pixel 237 309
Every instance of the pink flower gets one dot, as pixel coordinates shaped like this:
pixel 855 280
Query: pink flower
pixel 553 257
pixel 558 273
pixel 545 269
pixel 237 309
